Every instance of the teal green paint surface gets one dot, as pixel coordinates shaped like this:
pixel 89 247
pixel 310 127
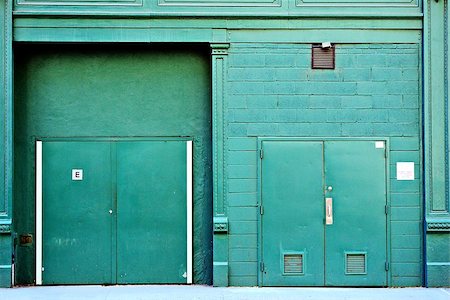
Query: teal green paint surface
pixel 437 142
pixel 438 256
pixel 259 8
pixel 6 172
pixel 118 224
pixel 107 91
pixel 292 197
pixel 294 177
pixel 77 226
pixel 273 92
pixel 356 171
pixel 151 212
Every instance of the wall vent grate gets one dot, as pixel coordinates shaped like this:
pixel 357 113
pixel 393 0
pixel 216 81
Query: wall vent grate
pixel 293 264
pixel 355 263
pixel 322 58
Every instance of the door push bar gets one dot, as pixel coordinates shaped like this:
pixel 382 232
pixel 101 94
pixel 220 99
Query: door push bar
pixel 328 211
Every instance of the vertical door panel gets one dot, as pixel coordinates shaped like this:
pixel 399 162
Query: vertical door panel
pixel 356 241
pixel 292 222
pixel 151 212
pixel 77 224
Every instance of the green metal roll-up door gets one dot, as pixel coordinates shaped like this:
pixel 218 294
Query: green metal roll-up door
pixel 114 212
pixel 323 216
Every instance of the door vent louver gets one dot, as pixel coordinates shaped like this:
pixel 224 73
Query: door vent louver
pixel 293 264
pixel 355 263
pixel 322 58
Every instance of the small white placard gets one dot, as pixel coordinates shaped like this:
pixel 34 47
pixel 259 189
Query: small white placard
pixel 77 174
pixel 405 171
pixel 379 144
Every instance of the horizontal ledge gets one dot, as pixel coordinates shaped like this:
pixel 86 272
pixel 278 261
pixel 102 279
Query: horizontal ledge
pixel 5 266
pixel 209 14
pixel 5 221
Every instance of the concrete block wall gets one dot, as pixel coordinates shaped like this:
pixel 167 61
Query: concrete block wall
pixel 374 91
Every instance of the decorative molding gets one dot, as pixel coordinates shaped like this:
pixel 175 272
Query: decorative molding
pixel 5 228
pixel 436 108
pixel 439 226
pixel 446 107
pixel 221 3
pixel 80 2
pixel 219 54
pixel 357 3
pixel 6 99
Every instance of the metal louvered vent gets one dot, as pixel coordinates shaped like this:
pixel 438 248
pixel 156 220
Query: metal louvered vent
pixel 293 263
pixel 322 58
pixel 355 263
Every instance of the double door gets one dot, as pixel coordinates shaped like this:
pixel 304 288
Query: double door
pixel 113 211
pixel 324 213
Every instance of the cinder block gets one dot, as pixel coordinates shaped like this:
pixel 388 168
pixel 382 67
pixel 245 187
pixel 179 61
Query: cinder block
pixel 356 74
pixel 242 185
pixel 242 199
pixel 243 60
pixel 241 157
pixel 262 101
pixel 386 74
pixel 356 101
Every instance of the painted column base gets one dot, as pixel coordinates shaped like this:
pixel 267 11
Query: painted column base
pixel 438 259
pixel 5 255
pixel 220 274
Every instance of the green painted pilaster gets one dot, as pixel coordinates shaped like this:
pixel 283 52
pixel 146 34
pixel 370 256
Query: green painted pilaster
pixel 220 241
pixel 436 88
pixel 6 143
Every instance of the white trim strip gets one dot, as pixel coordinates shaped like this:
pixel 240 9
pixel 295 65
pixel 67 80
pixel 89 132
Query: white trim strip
pixel 189 209
pixel 38 212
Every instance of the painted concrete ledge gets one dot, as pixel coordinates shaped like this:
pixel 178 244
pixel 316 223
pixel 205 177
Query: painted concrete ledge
pixel 173 292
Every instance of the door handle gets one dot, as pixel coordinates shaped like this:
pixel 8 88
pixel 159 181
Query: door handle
pixel 328 211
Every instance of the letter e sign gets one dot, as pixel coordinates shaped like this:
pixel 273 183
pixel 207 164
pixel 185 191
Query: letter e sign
pixel 77 174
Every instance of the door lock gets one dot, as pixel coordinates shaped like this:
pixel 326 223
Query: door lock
pixel 329 188
pixel 110 211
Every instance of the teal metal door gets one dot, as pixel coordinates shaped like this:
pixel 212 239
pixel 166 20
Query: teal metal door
pixel 323 213
pixel 151 212
pixel 292 220
pixel 76 223
pixel 114 212
pixel 355 179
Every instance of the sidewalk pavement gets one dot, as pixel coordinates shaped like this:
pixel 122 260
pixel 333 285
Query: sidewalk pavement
pixel 176 292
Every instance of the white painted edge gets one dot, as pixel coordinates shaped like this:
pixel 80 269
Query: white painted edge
pixel 189 209
pixel 38 212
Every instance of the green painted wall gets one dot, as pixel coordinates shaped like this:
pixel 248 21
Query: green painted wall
pixel 6 239
pixel 373 92
pixel 106 91
pixel 263 87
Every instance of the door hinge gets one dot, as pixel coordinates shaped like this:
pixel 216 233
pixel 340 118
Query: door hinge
pixel 386 209
pixel 261 153
pixel 386 266
pixel 261 266
pixel 261 210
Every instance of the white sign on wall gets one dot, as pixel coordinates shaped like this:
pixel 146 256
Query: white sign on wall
pixel 405 171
